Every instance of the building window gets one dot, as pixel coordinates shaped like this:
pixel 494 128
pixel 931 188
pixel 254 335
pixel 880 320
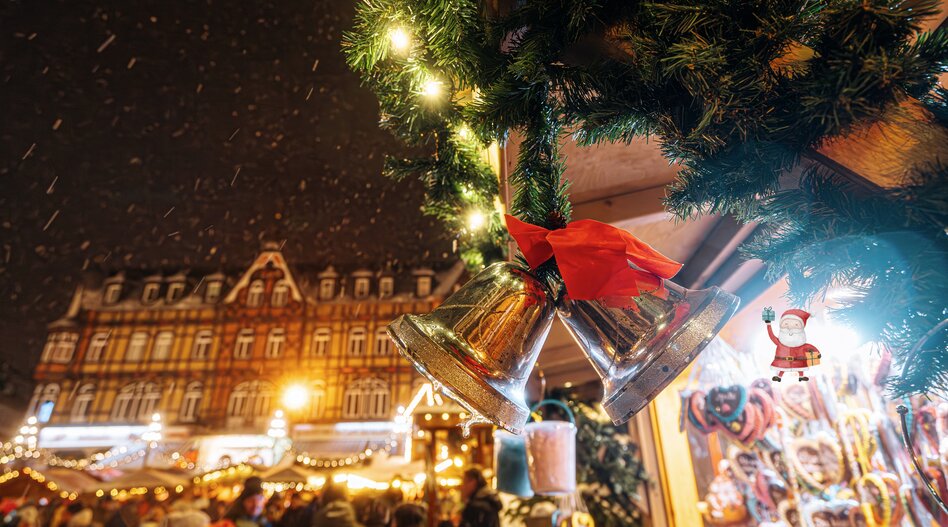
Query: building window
pixel 113 293
pixel 255 294
pixel 275 341
pixel 44 401
pixel 322 338
pixel 423 286
pixel 366 399
pixel 383 344
pixel 162 347
pixel 202 345
pixel 243 349
pixel 361 287
pixel 136 347
pixel 386 287
pixel 97 345
pixel 281 294
pixel 59 347
pixel 327 289
pixel 136 402
pixel 250 399
pixel 151 292
pixel 82 402
pixel 317 400
pixel 213 291
pixel 175 291
pixel 357 342
pixel 191 404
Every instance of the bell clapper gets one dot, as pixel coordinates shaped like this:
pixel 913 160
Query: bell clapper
pixel 474 419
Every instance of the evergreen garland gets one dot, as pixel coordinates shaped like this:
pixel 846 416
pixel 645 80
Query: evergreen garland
pixel 737 92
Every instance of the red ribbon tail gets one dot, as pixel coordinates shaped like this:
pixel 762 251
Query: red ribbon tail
pixel 531 239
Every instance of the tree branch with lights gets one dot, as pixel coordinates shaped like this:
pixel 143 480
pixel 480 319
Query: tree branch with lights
pixel 738 93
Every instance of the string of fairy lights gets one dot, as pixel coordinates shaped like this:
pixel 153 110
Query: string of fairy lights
pixel 25 446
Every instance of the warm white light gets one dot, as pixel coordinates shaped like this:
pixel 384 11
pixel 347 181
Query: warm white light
pixel 444 465
pixel 295 397
pixel 432 89
pixel 475 220
pixel 400 39
pixel 464 132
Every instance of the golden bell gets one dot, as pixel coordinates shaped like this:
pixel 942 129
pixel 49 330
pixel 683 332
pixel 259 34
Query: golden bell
pixel 481 344
pixel 639 348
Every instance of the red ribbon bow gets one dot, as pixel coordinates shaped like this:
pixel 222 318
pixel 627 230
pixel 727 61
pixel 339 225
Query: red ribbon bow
pixel 594 257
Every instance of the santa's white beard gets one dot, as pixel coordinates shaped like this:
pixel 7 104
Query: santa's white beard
pixel 792 337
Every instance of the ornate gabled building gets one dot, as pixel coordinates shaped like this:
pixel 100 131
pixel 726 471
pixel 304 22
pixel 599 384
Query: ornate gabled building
pixel 219 353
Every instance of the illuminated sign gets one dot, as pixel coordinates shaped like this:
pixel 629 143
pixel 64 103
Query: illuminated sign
pixel 66 437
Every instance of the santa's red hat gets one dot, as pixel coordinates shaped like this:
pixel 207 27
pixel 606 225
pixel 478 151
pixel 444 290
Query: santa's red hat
pixel 798 314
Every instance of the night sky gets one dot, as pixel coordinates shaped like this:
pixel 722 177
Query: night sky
pixel 167 134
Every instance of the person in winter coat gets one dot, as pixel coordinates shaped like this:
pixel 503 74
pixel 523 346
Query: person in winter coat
pixel 248 509
pixel 335 509
pixel 408 515
pixel 482 506
pixel 297 514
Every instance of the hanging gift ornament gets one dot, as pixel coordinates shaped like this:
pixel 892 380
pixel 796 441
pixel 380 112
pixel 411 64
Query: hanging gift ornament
pixel 510 464
pixel 638 329
pixel 551 453
pixel 481 344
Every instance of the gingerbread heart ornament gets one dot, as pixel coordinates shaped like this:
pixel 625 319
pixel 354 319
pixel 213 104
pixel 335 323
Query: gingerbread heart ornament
pixel 796 399
pixel 744 428
pixel 698 415
pixel 788 513
pixel 744 464
pixel 726 403
pixel 775 460
pixel 835 513
pixel 818 461
pixel 884 503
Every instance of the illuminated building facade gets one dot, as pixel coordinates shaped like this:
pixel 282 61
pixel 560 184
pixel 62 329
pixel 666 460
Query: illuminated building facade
pixel 218 354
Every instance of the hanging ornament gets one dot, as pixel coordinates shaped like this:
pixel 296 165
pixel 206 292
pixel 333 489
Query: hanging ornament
pixel 551 453
pixel 481 344
pixel 510 464
pixel 638 329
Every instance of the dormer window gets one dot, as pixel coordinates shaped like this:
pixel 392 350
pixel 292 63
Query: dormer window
pixel 151 292
pixel 281 294
pixel 255 294
pixel 361 289
pixel 175 291
pixel 386 286
pixel 327 289
pixel 423 287
pixel 212 292
pixel 113 293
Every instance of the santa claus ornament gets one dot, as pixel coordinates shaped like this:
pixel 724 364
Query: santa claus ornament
pixel 793 353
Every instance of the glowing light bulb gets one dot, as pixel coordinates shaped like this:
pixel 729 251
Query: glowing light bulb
pixel 476 220
pixel 399 39
pixel 295 396
pixel 432 89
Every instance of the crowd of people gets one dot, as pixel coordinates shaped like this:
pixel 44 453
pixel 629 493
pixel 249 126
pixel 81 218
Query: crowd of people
pixel 331 507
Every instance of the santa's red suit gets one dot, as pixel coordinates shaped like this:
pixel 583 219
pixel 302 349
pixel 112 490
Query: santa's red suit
pixel 789 358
